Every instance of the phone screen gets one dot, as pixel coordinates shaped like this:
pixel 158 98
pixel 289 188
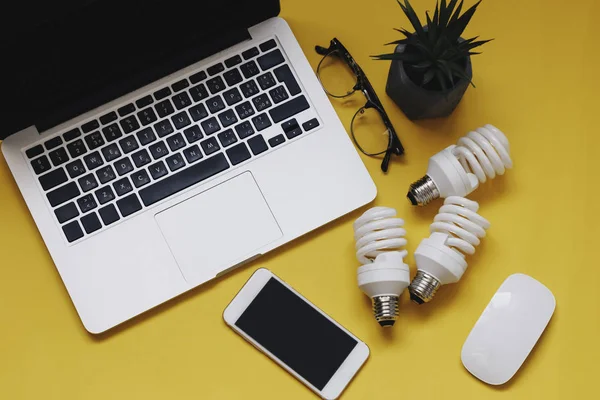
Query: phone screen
pixel 297 334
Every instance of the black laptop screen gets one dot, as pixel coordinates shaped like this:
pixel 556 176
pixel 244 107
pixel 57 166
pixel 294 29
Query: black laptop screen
pixel 64 57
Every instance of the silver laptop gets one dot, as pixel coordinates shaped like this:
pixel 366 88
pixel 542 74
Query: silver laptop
pixel 159 145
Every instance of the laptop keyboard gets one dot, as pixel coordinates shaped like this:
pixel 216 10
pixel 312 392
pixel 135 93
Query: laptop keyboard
pixel 117 164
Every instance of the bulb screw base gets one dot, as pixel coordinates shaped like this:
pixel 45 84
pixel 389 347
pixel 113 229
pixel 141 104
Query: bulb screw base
pixel 385 309
pixel 423 287
pixel 422 192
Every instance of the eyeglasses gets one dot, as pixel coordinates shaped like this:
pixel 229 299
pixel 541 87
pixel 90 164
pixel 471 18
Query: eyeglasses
pixel 371 129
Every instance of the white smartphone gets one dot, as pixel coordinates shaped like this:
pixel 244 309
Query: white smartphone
pixel 298 336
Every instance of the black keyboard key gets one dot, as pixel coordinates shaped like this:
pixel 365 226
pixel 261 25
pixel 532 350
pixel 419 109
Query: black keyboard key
pixel 268 45
pixel 122 186
pixel 164 128
pixel 210 146
pixel 261 102
pixel 140 178
pixel 227 118
pixel 278 94
pixel 129 124
pixel 175 142
pixel 233 77
pixel 181 120
pixel 227 138
pixel 88 183
pixel 244 110
pixel 94 140
pixel 141 158
pixel 40 164
pixel 53 179
pixel 215 69
pixel 192 154
pixel 193 134
pixel 199 93
pixel 106 174
pixel 289 109
pixel 75 168
pixel 257 145
pixel 129 205
pixel 147 116
pixel 72 231
pixel 59 156
pixel 284 74
pixel 108 118
pixel 309 125
pixel 232 96
pixel 144 101
pixel 249 88
pixel 182 180
pixel 244 129
pixel 276 140
pixel 248 54
pixel 86 203
pixel 90 126
pixel 126 110
pixel 158 170
pixel 128 144
pixel 112 132
pixel 181 100
pixel 293 133
pixel 180 85
pixel 93 160
pixel 164 108
pixel 109 214
pixel 261 122
pixel 63 194
pixel 198 77
pixel 249 69
pixel 159 150
pixel 290 125
pixel 123 166
pixel 215 85
pixel 210 126
pixel 112 152
pixel 76 148
pixel 105 195
pixel 238 154
pixel 215 104
pixel 34 151
pixel 162 93
pixel 266 81
pixel 91 223
pixel 71 135
pixel 53 143
pixel 146 136
pixel 175 162
pixel 271 59
pixel 66 212
pixel 235 60
pixel 198 112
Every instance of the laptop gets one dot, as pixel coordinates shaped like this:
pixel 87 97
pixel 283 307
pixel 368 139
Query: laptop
pixel 161 144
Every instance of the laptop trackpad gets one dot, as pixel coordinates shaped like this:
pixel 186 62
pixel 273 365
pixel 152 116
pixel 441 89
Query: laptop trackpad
pixel 219 228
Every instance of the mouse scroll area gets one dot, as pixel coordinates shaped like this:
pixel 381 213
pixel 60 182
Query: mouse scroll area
pixel 218 228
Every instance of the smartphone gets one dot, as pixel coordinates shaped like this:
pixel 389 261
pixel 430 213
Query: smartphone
pixel 295 334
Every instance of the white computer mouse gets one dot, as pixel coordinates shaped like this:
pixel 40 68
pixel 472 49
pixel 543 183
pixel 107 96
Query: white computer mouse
pixel 507 330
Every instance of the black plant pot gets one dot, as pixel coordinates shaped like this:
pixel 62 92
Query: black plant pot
pixel 419 103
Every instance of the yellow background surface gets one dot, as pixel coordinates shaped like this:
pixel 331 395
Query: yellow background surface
pixel 538 82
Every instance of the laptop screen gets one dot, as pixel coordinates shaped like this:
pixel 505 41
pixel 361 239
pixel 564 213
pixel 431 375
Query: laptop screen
pixel 64 57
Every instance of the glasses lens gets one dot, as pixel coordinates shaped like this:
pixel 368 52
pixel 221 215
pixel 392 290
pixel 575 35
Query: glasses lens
pixel 337 78
pixel 369 132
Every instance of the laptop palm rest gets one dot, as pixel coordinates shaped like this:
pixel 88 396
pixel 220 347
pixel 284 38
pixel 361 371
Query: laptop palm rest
pixel 218 228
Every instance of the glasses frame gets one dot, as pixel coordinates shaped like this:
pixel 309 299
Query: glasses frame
pixel 337 49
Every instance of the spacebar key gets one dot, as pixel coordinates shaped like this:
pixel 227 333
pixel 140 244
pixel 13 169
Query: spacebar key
pixel 184 179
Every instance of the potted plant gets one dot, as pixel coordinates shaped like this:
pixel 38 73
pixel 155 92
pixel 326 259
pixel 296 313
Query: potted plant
pixel 431 67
